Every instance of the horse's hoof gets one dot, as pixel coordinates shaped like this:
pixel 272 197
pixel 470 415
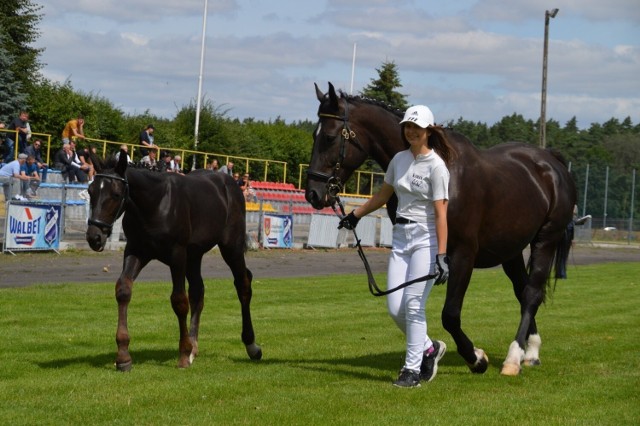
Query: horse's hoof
pixel 254 351
pixel 532 362
pixel 124 366
pixel 481 364
pixel 510 370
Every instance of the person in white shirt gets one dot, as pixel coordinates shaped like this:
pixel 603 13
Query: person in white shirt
pixel 420 179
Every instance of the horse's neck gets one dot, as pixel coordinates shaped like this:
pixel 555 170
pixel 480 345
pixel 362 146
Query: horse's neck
pixel 385 140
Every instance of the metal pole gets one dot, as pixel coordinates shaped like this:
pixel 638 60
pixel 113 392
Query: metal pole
pixel 633 190
pixel 543 101
pixel 606 193
pixel 353 68
pixel 198 101
pixel 586 184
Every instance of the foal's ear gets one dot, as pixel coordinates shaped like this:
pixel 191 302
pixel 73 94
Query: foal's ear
pixel 121 167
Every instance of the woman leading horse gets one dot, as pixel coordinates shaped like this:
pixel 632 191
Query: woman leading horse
pixel 501 200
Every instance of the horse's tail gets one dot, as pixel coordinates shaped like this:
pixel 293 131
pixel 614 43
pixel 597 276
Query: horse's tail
pixel 562 251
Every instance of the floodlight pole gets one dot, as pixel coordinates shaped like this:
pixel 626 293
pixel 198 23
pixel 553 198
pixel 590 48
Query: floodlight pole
pixel 198 101
pixel 543 102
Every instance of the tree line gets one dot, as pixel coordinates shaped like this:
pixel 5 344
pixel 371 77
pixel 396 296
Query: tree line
pixel 614 143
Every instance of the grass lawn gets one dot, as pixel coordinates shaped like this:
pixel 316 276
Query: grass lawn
pixel 330 354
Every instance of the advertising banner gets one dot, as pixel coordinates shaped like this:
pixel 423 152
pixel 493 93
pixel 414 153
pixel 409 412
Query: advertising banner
pixel 277 231
pixel 31 226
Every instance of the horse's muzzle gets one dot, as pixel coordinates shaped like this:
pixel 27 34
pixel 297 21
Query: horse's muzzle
pixel 96 238
pixel 318 202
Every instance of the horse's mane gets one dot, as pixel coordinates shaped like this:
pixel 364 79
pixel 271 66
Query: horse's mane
pixel 370 101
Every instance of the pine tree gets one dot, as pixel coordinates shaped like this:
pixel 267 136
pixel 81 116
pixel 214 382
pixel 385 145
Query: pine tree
pixel 18 25
pixel 13 97
pixel 384 88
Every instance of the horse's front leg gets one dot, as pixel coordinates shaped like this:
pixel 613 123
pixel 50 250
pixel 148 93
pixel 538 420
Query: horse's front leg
pixel 180 305
pixel 461 269
pixel 132 265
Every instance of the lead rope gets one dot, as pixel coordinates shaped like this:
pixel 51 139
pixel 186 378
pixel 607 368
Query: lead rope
pixel 373 286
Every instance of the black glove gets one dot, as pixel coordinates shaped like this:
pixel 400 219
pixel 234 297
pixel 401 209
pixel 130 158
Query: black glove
pixel 442 268
pixel 350 221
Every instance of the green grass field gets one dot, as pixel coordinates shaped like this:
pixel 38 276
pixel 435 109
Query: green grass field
pixel 330 354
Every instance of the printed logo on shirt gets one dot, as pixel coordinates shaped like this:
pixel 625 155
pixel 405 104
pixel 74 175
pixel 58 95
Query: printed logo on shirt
pixel 417 180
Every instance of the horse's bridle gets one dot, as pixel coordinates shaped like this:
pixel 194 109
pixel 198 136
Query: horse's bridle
pixel 104 226
pixel 334 183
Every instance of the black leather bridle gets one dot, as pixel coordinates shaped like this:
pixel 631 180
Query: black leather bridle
pixel 104 226
pixel 333 183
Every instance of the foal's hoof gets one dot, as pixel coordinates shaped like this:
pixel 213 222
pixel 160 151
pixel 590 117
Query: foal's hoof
pixel 510 370
pixel 124 366
pixel 532 362
pixel 481 364
pixel 254 351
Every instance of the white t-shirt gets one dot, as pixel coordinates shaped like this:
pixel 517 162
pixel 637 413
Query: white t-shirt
pixel 418 183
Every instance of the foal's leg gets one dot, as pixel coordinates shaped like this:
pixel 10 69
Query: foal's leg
pixel 196 299
pixel 233 255
pixel 180 305
pixel 132 265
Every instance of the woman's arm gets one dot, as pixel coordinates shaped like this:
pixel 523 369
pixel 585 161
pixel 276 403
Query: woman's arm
pixel 440 208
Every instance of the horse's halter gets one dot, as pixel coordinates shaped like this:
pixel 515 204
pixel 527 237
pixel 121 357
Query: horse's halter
pixel 334 183
pixel 104 226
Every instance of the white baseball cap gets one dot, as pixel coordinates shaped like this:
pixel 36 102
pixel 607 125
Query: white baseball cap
pixel 420 115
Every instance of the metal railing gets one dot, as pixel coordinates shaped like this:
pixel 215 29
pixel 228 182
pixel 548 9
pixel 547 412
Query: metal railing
pixel 365 182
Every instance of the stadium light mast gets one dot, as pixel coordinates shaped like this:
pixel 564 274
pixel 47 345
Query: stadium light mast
pixel 543 101
pixel 198 101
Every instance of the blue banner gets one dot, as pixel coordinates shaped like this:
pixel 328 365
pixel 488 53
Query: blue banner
pixel 31 226
pixel 277 231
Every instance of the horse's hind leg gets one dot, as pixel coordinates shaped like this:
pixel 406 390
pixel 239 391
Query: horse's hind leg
pixel 196 299
pixel 132 265
pixel 180 305
pixel 233 255
pixel 517 273
pixel 531 296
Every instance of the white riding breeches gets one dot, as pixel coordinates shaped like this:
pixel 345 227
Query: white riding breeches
pixel 413 254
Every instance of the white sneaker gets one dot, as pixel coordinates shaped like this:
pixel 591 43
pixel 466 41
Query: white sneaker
pixel 19 198
pixel 84 194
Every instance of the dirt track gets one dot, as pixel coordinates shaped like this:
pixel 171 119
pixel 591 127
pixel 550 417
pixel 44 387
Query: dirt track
pixel 85 266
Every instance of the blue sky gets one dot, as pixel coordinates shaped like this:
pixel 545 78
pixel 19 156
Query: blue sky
pixel 479 60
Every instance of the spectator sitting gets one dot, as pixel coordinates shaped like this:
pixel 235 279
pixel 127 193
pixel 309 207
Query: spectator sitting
pixel 10 171
pixel 175 165
pixel 35 149
pixel 149 161
pixel 228 168
pixel 165 163
pixel 124 148
pixel 87 164
pixel 29 187
pixel 71 171
pixel 249 192
pixel 214 165
pixel 81 164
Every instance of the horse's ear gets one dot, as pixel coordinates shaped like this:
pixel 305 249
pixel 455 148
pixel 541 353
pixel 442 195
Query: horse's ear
pixel 121 167
pixel 333 97
pixel 319 93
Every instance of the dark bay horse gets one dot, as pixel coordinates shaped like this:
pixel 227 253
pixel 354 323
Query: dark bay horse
pixel 502 200
pixel 175 219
